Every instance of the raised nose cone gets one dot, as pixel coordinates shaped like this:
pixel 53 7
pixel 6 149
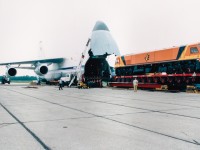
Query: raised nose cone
pixel 102 42
pixel 100 26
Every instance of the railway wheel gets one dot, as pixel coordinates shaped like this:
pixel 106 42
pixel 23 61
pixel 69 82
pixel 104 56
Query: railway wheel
pixel 163 80
pixel 178 80
pixel 149 80
pixel 155 80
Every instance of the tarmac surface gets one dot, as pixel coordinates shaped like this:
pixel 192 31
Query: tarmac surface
pixel 97 119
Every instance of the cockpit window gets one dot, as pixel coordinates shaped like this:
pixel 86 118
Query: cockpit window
pixel 194 50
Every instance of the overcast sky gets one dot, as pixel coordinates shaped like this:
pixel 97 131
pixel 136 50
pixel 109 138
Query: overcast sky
pixel 64 26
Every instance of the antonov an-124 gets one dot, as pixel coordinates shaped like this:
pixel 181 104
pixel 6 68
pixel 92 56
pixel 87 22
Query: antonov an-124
pixel 92 67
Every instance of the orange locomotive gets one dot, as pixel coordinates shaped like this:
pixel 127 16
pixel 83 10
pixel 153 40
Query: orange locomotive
pixel 180 63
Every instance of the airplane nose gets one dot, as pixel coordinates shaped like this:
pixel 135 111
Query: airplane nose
pixel 102 42
pixel 100 26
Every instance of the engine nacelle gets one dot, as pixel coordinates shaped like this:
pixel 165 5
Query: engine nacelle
pixel 41 70
pixel 10 72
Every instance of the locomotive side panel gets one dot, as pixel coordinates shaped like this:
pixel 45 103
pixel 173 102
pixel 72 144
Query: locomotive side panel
pixel 142 58
pixel 146 58
pixel 182 53
pixel 166 55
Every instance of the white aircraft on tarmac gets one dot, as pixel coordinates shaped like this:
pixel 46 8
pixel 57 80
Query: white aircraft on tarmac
pixel 99 47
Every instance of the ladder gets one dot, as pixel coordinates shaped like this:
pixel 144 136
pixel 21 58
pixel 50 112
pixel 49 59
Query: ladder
pixel 78 68
pixel 72 81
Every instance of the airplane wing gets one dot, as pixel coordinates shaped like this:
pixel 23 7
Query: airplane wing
pixel 39 66
pixel 53 60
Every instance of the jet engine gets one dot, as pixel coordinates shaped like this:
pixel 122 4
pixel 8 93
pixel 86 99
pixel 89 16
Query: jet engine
pixel 10 72
pixel 41 70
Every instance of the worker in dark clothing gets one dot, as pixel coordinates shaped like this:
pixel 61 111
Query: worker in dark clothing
pixel 60 84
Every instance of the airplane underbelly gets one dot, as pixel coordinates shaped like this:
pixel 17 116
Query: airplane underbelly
pixel 52 76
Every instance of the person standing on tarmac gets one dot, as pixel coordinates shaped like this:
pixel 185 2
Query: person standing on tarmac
pixel 135 84
pixel 60 84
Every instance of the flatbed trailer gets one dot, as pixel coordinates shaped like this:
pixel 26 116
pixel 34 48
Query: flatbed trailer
pixel 154 81
pixel 130 85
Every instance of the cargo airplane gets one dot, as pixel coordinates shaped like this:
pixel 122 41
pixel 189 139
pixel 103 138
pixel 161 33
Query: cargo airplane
pixel 99 47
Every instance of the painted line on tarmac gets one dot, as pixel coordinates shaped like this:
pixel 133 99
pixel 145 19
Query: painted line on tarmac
pixel 144 109
pixel 106 118
pixel 27 129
